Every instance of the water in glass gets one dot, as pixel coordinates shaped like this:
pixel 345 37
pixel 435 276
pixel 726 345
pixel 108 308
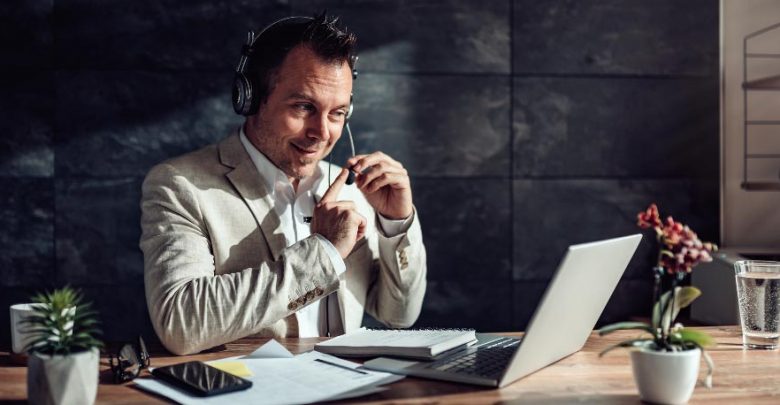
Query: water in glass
pixel 758 292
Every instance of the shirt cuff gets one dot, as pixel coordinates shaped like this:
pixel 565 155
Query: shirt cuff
pixel 395 227
pixel 335 257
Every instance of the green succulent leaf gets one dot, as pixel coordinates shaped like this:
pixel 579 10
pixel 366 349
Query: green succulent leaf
pixel 62 323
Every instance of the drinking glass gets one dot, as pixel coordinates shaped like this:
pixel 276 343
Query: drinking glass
pixel 758 293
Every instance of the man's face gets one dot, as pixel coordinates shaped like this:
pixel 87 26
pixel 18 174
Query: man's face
pixel 304 114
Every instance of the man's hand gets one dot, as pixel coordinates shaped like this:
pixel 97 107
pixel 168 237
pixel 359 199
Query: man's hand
pixel 385 183
pixel 338 221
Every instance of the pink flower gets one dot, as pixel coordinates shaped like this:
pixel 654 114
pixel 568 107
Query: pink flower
pixel 681 248
pixel 649 218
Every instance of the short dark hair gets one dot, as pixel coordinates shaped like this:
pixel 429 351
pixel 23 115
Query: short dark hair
pixel 323 34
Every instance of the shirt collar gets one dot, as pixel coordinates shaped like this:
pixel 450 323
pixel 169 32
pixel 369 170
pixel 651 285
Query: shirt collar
pixel 271 175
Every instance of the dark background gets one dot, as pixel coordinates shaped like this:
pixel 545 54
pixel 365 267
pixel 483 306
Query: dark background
pixel 526 126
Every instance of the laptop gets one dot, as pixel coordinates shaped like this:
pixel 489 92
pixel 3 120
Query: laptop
pixel 564 319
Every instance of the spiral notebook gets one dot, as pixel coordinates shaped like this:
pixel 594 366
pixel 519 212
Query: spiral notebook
pixel 412 343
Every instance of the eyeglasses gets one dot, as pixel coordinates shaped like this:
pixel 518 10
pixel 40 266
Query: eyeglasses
pixel 130 360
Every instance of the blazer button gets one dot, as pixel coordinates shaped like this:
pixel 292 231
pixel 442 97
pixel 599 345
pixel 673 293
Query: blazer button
pixel 309 295
pixel 301 301
pixel 292 306
pixel 318 291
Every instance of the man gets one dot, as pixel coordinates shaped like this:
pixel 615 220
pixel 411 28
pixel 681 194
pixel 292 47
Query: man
pixel 249 236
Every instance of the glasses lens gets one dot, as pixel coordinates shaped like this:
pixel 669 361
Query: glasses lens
pixel 144 354
pixel 128 365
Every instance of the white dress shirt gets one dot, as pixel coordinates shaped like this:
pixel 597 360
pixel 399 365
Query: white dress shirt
pixel 292 207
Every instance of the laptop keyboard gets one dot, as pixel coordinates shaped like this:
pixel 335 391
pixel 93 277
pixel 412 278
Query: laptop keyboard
pixel 488 361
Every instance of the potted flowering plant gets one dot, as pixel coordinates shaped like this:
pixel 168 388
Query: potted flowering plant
pixel 666 359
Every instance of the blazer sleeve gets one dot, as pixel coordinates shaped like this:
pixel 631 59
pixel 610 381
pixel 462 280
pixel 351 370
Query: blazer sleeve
pixel 191 307
pixel 395 297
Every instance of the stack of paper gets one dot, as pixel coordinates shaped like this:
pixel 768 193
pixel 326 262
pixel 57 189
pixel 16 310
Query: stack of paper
pixel 413 343
pixel 278 377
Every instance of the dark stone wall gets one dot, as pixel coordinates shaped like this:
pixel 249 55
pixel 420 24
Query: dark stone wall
pixel 526 126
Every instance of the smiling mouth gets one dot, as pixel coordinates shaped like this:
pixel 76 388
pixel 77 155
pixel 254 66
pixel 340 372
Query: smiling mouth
pixel 305 151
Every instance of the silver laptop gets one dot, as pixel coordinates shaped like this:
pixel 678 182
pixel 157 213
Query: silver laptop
pixel 575 298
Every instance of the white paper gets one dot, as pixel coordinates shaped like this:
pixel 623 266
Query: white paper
pixel 288 380
pixel 271 350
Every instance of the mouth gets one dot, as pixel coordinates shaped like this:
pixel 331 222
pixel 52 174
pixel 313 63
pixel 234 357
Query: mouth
pixel 305 152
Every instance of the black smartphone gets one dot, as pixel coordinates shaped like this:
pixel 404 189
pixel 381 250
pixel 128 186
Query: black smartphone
pixel 200 379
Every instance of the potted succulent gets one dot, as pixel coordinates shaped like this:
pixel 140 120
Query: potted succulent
pixel 64 355
pixel 666 357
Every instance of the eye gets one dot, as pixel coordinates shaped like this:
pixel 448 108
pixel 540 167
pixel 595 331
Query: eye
pixel 303 107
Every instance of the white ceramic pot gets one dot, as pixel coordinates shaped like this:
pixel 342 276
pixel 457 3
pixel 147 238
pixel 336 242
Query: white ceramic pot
pixel 665 377
pixel 55 380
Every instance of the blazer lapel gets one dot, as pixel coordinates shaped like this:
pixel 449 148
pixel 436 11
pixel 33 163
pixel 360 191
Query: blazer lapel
pixel 247 182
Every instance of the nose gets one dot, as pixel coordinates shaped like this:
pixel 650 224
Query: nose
pixel 318 127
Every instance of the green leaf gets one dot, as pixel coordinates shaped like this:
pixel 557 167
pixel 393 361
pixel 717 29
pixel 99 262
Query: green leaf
pixel 626 326
pixel 627 343
pixel 63 323
pixel 701 339
pixel 683 297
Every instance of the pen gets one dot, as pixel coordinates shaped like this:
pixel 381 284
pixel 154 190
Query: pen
pixel 340 366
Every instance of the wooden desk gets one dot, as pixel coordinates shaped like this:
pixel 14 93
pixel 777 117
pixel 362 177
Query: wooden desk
pixel 741 376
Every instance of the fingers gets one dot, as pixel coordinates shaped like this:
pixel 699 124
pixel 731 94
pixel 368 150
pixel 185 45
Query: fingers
pixel 335 188
pixel 380 170
pixel 394 180
pixel 358 163
pixel 372 166
pixel 337 205
pixel 346 211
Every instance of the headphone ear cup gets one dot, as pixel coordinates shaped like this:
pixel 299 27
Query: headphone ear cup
pixel 242 95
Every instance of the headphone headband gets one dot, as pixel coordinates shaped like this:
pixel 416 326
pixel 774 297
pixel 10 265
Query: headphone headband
pixel 245 100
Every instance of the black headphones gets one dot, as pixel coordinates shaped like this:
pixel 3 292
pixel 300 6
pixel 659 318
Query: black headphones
pixel 245 100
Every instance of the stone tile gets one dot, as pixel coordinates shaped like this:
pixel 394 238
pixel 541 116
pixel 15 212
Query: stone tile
pixel 482 305
pixel 663 37
pixel 122 312
pixel 435 125
pixel 26 34
pixel 27 108
pixel 27 237
pixel 98 228
pixel 526 297
pixel 152 34
pixel 424 35
pixel 550 215
pixel 632 299
pixel 123 122
pixel 615 127
pixel 466 227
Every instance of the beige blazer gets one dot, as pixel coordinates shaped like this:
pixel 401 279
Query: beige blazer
pixel 217 268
